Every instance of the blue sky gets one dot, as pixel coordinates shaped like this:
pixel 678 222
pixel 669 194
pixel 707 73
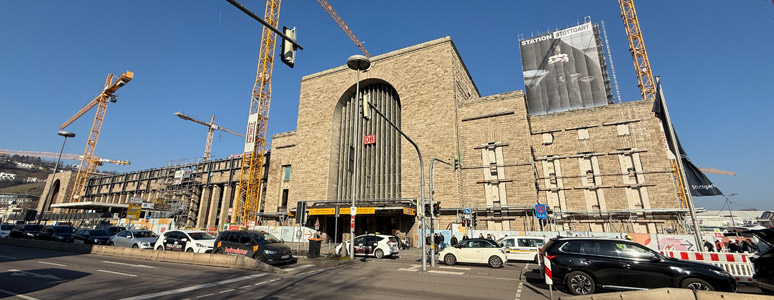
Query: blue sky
pixel 714 58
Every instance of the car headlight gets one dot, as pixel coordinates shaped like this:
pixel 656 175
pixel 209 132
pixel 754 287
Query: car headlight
pixel 501 250
pixel 267 251
pixel 96 240
pixel 146 244
pixel 201 245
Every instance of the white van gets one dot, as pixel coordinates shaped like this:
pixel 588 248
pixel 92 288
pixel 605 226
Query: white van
pixel 521 247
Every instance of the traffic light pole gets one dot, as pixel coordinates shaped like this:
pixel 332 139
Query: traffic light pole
pixel 421 203
pixel 432 207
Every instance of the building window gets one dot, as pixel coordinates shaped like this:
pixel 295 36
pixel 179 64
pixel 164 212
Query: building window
pixel 583 134
pixel 285 198
pixel 286 173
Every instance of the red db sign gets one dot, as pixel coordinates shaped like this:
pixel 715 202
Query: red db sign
pixel 369 139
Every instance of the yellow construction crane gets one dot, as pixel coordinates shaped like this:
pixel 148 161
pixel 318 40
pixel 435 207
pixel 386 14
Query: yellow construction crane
pixel 335 16
pixel 101 101
pixel 97 160
pixel 637 48
pixel 211 128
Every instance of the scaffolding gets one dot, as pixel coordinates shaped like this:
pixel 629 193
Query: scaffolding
pixel 181 191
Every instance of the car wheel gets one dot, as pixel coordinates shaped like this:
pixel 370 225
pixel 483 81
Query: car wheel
pixel 189 250
pixel 217 251
pixel 696 285
pixel 449 259
pixel 135 246
pixel 495 262
pixel 580 283
pixel 111 244
pixel 379 253
pixel 537 259
pixel 259 257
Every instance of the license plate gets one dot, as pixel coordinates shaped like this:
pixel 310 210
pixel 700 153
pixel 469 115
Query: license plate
pixel 285 256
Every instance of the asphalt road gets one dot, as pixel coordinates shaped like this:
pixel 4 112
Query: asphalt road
pixel 29 273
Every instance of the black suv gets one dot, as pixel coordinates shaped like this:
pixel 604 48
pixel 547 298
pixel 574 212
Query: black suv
pixel 56 234
pixel 25 231
pixel 260 245
pixel 91 236
pixel 583 264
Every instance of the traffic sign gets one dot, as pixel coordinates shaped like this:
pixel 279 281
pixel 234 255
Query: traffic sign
pixel 540 211
pixel 317 224
pixel 353 211
pixel 467 211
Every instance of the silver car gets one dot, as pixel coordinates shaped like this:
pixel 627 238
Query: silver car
pixel 142 239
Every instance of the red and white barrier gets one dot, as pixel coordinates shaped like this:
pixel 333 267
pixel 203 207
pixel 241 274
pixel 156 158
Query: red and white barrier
pixel 738 264
pixel 547 270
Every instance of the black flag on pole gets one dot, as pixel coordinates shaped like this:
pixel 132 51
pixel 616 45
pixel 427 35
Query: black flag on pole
pixel 698 183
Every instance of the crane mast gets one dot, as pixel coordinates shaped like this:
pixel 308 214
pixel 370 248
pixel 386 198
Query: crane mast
pixel 249 189
pixel 88 163
pixel 211 128
pixel 637 48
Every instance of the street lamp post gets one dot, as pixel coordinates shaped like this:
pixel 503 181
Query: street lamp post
pixel 432 207
pixel 357 63
pixel 730 214
pixel 66 135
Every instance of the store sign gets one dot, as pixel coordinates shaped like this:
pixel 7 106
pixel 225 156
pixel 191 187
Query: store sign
pixel 321 211
pixel 359 211
pixel 409 211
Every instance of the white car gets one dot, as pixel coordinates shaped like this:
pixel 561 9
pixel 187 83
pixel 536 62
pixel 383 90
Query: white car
pixel 141 239
pixel 474 251
pixel 5 230
pixel 186 240
pixel 521 247
pixel 371 245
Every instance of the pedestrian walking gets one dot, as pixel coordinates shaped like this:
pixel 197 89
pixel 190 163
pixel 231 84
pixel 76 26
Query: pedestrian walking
pixel 747 246
pixel 719 245
pixel 709 246
pixel 481 235
pixel 454 240
pixel 489 238
pixel 732 246
pixel 442 243
pixel 465 237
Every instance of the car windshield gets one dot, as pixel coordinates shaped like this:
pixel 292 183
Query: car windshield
pixel 144 234
pixel 98 232
pixel 64 229
pixel 265 238
pixel 201 236
pixel 33 227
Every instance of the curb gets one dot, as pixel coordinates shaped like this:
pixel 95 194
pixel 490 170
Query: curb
pixel 202 259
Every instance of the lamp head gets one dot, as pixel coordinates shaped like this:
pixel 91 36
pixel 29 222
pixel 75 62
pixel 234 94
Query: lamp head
pixel 358 62
pixel 66 134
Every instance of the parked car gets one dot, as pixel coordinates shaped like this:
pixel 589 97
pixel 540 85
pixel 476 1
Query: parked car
pixel 56 234
pixel 474 251
pixel 140 239
pixel 260 245
pixel 186 240
pixel 763 260
pixel 583 265
pixel 377 246
pixel 5 230
pixel 113 230
pixel 521 247
pixel 91 236
pixel 25 231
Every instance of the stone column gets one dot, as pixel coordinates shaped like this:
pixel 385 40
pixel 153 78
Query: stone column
pixel 214 202
pixel 204 204
pixel 227 190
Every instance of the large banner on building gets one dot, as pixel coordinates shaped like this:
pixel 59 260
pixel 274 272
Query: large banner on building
pixel 252 128
pixel 563 70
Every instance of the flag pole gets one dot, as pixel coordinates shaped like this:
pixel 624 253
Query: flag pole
pixel 679 158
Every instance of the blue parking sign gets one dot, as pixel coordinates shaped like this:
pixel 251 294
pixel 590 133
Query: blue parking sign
pixel 540 211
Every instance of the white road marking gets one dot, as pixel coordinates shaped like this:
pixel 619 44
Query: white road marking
pixel 446 272
pixel 413 268
pixel 126 264
pixel 118 273
pixel 193 287
pixel 299 267
pixel 18 295
pixel 455 268
pixel 244 287
pixel 225 291
pixel 518 291
pixel 205 295
pixel 7 257
pixel 53 264
pixel 25 273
